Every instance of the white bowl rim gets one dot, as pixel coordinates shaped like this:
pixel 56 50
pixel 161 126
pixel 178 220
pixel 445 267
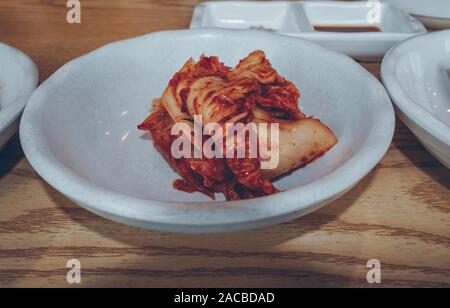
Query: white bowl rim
pixel 432 14
pixel 199 13
pixel 11 112
pixel 141 211
pixel 408 105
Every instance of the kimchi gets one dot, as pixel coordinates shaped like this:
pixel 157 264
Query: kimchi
pixel 251 92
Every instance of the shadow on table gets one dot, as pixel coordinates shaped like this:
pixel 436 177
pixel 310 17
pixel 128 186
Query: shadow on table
pixel 251 240
pixel 419 156
pixel 243 255
pixel 10 156
pixel 159 259
pixel 431 191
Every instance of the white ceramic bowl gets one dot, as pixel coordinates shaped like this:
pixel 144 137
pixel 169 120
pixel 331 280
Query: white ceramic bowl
pixel 89 149
pixel 416 74
pixel 18 79
pixel 433 13
pixel 299 19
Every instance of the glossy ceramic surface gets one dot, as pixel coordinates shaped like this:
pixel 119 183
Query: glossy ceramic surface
pixel 433 13
pixel 417 76
pixel 301 19
pixel 88 146
pixel 18 79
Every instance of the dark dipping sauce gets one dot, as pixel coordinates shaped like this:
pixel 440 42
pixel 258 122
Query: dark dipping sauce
pixel 347 29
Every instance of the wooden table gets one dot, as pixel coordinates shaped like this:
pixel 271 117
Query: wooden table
pixel 399 214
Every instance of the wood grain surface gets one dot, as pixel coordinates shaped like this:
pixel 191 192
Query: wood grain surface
pixel 399 213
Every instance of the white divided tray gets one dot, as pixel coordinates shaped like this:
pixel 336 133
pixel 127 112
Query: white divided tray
pixel 364 30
